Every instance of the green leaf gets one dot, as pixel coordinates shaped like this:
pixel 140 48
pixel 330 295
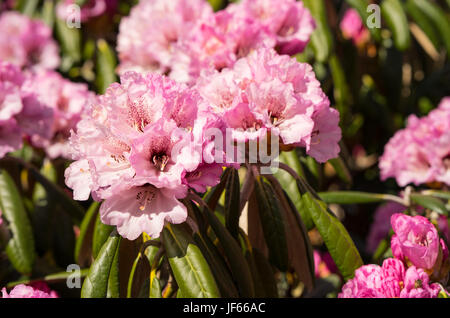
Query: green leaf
pixel 51 278
pixel 438 194
pixel 336 238
pixel 272 223
pixel 218 4
pixel 189 267
pixel 431 203
pixel 101 234
pixel 424 23
pixel 342 96
pixel 86 224
pixel 70 40
pixel 96 283
pixel 27 7
pixel 155 287
pixel 321 39
pixel 266 273
pixel 236 260
pixel 361 6
pixel 139 272
pixel 439 19
pixel 113 280
pixel 106 66
pixel 48 13
pixel 395 16
pixel 289 184
pixel 350 197
pixel 20 247
pixel 232 202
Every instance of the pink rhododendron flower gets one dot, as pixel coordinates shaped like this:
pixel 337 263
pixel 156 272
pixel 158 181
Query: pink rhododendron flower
pixel 91 9
pixel 269 92
pixel 353 28
pixel 287 20
pixel 424 146
pixel 415 239
pixel 217 42
pixel 381 224
pixel 38 290
pixel 66 99
pixel 139 147
pixel 391 280
pixel 147 37
pixel 27 43
pixel 416 285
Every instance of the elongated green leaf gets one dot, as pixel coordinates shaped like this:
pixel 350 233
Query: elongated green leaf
pixel 113 290
pixel 438 194
pixel 86 224
pixel 48 13
pixel 189 267
pixel 155 287
pixel 96 283
pixel 431 203
pixel 238 265
pixel 321 39
pixel 27 7
pixel 70 39
pixel 289 184
pixel 424 23
pixel 51 278
pixel 20 247
pixel 362 7
pixel 232 202
pixel 272 223
pixel 266 273
pixel 106 66
pixel 393 13
pixel 439 19
pixel 139 272
pixel 336 238
pixel 101 234
pixel 342 96
pixel 219 270
pixel 350 197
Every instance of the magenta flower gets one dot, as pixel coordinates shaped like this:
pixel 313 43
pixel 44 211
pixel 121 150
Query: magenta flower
pixel 391 280
pixel 287 20
pixel 91 9
pixel 139 148
pixel 353 28
pixel 424 148
pixel 49 90
pixel 147 37
pixel 416 285
pixel 415 239
pixel 27 43
pixel 40 290
pixel 269 92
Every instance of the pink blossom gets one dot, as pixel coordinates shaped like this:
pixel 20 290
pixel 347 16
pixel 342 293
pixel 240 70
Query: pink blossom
pixel 415 239
pixel 288 20
pixel 147 37
pixel 91 9
pixel 66 99
pixel 323 264
pixel 27 43
pixel 269 92
pixel 217 42
pixel 391 280
pixel 353 28
pixel 381 225
pixel 138 148
pixel 424 146
pixel 416 285
pixel 40 290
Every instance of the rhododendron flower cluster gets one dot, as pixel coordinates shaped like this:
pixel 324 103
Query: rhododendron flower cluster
pixel 27 43
pixel 353 28
pixel 20 112
pixel 89 10
pixel 67 100
pixel 42 107
pixel 183 38
pixel 36 290
pixel 269 92
pixel 391 280
pixel 424 146
pixel 418 253
pixel 140 148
